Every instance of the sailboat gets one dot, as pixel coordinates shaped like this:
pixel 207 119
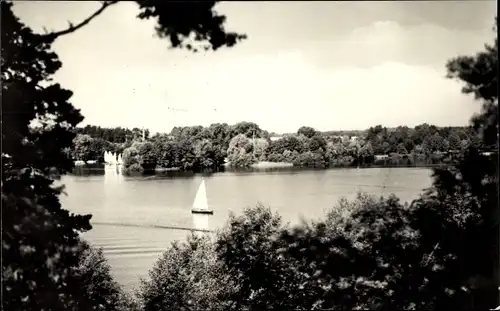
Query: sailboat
pixel 200 204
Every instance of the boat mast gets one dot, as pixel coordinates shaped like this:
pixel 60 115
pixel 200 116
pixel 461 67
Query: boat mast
pixel 253 140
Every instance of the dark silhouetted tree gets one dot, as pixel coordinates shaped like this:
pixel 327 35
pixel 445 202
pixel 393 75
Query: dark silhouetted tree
pixel 40 241
pixel 480 76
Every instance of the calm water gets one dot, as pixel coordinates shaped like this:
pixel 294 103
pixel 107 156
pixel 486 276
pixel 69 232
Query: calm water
pixel 126 209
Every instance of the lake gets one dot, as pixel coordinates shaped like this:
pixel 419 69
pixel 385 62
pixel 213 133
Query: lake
pixel 126 209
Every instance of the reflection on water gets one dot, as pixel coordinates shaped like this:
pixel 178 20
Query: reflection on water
pixel 200 221
pixel 133 216
pixel 113 175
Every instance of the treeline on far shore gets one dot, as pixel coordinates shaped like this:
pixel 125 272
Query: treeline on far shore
pixel 243 144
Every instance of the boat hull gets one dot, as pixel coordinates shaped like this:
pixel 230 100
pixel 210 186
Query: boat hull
pixel 202 211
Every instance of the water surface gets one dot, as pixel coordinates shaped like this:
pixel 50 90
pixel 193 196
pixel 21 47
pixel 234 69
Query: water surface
pixel 126 209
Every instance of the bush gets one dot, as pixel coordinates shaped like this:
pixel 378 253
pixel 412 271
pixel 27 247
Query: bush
pixel 132 161
pixel 274 157
pixel 309 159
pixel 239 151
pixel 290 156
pixel 100 291
pixel 251 248
pixel 189 276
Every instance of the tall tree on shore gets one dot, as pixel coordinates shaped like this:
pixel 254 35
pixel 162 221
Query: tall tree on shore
pixel 479 73
pixel 474 178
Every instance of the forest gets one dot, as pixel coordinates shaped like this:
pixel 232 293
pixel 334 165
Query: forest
pixel 242 144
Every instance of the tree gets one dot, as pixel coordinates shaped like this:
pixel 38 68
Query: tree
pixel 82 149
pixel 373 132
pixel 132 160
pixel 454 141
pixel 188 276
pixel 148 158
pixel 366 152
pixel 421 132
pixel 306 131
pixel 249 248
pixel 287 156
pixel 475 142
pixel 40 239
pixel 260 148
pixel 192 132
pixel 185 157
pixel 204 153
pixel 479 73
pixel 475 177
pixel 288 142
pixel 310 159
pixel 220 134
pixel 239 151
pixel 401 149
pixel 433 143
pixel 166 153
pixel 246 128
pixel 316 142
pixel 385 148
pixel 101 291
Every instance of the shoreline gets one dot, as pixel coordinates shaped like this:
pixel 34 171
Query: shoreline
pixel 267 164
pixel 258 167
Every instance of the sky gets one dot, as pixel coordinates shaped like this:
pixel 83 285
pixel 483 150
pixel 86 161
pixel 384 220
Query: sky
pixel 329 65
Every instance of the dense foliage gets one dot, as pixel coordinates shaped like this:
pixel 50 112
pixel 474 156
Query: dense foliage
pixel 188 276
pixel 39 239
pixel 100 290
pixel 198 148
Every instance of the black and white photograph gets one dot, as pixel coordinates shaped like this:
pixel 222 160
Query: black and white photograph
pixel 249 155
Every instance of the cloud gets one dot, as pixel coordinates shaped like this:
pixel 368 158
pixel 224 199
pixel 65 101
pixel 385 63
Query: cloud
pixel 284 91
pixel 279 91
pixel 378 72
pixel 388 41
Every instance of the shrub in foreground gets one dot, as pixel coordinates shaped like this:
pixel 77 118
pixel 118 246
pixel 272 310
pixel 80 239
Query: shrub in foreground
pixel 188 276
pixel 100 291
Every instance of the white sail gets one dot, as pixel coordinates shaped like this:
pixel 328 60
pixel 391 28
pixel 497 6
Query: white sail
pixel 200 201
pixel 107 157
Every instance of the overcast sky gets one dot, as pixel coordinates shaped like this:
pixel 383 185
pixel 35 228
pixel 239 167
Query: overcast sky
pixel 344 65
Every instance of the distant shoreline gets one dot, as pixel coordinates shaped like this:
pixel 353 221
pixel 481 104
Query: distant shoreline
pixel 167 169
pixel 256 167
